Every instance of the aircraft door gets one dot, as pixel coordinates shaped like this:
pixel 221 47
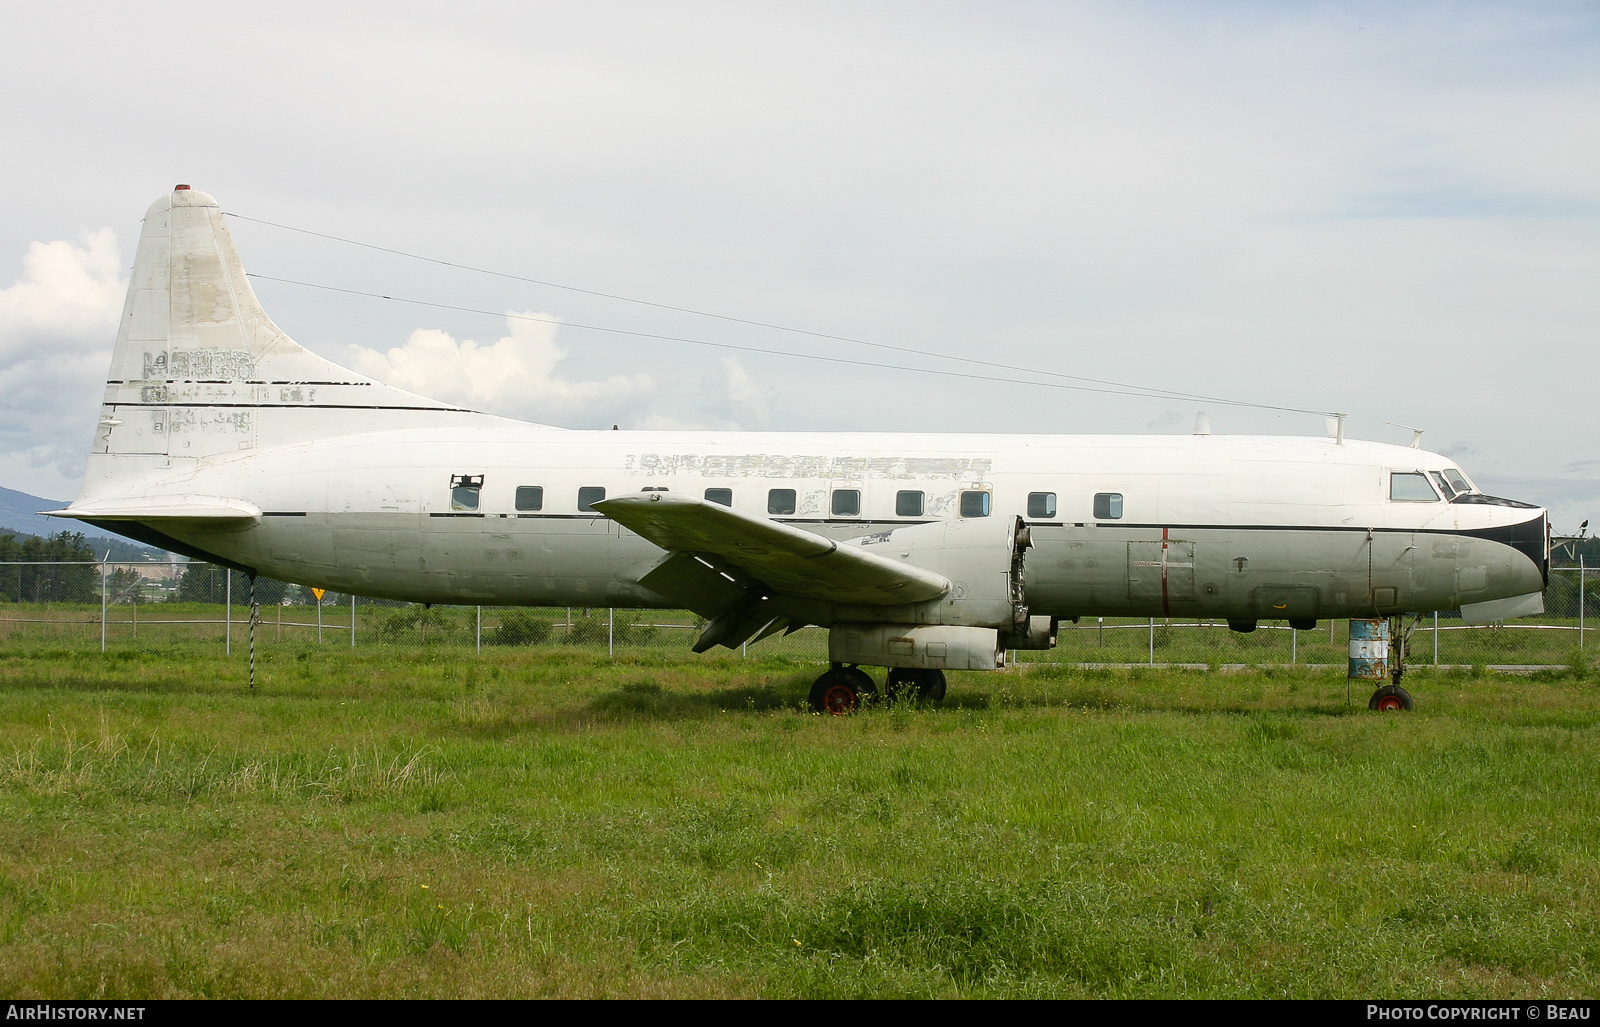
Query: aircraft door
pixel 1389 582
pixel 1160 573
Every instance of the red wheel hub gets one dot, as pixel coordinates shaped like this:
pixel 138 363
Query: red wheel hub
pixel 839 700
pixel 1390 704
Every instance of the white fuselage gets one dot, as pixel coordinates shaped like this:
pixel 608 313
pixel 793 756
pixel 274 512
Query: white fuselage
pixel 1241 528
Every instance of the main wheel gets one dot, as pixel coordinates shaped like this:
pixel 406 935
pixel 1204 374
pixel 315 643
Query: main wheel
pixel 1390 698
pixel 914 683
pixel 841 691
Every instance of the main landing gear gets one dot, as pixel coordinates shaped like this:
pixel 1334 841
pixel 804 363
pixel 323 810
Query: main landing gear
pixel 843 689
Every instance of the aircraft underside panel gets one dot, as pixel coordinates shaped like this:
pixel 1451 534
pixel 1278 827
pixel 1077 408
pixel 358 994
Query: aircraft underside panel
pixel 1221 573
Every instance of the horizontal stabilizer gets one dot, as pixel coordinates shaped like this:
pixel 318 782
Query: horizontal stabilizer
pixel 162 508
pixel 789 560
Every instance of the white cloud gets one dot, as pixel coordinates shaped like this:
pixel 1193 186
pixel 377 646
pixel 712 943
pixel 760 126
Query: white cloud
pixel 57 326
pixel 70 295
pixel 514 376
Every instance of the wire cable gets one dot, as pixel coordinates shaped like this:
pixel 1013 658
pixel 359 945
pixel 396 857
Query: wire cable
pixel 1135 390
pixel 1131 390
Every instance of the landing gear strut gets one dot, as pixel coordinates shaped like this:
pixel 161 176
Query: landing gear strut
pixel 841 690
pixel 916 684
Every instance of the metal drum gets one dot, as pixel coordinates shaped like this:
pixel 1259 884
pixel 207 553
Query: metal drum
pixel 1369 649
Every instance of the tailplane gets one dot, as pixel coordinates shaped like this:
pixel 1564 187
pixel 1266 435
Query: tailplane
pixel 200 372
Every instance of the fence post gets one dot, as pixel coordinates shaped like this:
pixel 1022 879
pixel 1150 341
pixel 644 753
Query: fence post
pixel 104 568
pixel 227 632
pixel 1152 641
pixel 1436 638
pixel 1294 646
pixel 480 631
pixel 352 620
pixel 611 624
pixel 1583 572
pixel 319 620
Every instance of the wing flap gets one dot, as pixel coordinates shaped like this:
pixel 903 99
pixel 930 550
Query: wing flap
pixel 787 559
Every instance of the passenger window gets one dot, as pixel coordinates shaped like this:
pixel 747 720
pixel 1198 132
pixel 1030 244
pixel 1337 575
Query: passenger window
pixel 1041 505
pixel 974 504
pixel 588 496
pixel 908 504
pixel 1411 487
pixel 464 489
pixel 846 502
pixel 1107 506
pixel 780 501
pixel 530 497
pixel 722 497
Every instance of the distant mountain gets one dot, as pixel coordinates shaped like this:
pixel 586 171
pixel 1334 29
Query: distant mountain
pixel 19 515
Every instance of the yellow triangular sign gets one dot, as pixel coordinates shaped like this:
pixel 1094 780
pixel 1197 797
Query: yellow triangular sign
pixel 318 593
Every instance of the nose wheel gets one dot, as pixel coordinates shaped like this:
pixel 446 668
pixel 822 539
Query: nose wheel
pixel 1390 699
pixel 841 690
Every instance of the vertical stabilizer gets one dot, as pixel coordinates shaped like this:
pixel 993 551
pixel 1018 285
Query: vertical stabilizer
pixel 200 372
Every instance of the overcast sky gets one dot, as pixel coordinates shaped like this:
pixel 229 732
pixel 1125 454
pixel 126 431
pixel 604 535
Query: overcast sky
pixel 1386 209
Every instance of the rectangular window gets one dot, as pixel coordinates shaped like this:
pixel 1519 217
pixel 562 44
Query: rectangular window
pixel 1411 487
pixel 655 488
pixel 974 504
pixel 722 497
pixel 529 498
pixel 464 489
pixel 1457 479
pixel 780 501
pixel 908 504
pixel 1107 505
pixel 588 496
pixel 1041 505
pixel 846 502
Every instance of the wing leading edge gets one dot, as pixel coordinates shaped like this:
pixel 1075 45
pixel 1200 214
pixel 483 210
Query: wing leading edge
pixel 726 565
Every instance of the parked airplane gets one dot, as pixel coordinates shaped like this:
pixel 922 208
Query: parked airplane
pixel 223 439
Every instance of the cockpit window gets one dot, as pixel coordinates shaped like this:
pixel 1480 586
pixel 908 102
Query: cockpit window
pixel 1444 486
pixel 1411 487
pixel 1457 480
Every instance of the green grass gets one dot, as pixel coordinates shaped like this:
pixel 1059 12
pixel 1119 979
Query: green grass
pixel 424 822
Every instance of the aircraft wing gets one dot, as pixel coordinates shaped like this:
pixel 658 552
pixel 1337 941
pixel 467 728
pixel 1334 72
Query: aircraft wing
pixel 786 559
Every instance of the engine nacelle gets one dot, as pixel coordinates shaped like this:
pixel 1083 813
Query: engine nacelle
pixel 929 646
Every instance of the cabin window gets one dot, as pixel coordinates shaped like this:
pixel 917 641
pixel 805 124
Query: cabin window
pixel 974 504
pixel 908 504
pixel 721 497
pixel 1107 506
pixel 588 496
pixel 529 498
pixel 846 502
pixel 780 501
pixel 464 490
pixel 1411 487
pixel 1041 505
pixel 1444 486
pixel 1457 479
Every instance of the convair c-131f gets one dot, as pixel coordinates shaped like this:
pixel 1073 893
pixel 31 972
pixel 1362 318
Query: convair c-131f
pixel 222 439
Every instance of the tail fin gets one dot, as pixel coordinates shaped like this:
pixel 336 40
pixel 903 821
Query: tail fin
pixel 200 372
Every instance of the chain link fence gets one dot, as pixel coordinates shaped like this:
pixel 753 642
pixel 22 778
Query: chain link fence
pixel 107 605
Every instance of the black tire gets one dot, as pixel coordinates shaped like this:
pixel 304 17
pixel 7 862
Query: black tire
pixel 915 683
pixel 1390 699
pixel 841 691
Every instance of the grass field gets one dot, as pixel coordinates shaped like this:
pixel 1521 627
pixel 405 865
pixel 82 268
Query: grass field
pixel 415 822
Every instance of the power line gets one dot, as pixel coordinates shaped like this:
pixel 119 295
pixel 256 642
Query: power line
pixel 1134 390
